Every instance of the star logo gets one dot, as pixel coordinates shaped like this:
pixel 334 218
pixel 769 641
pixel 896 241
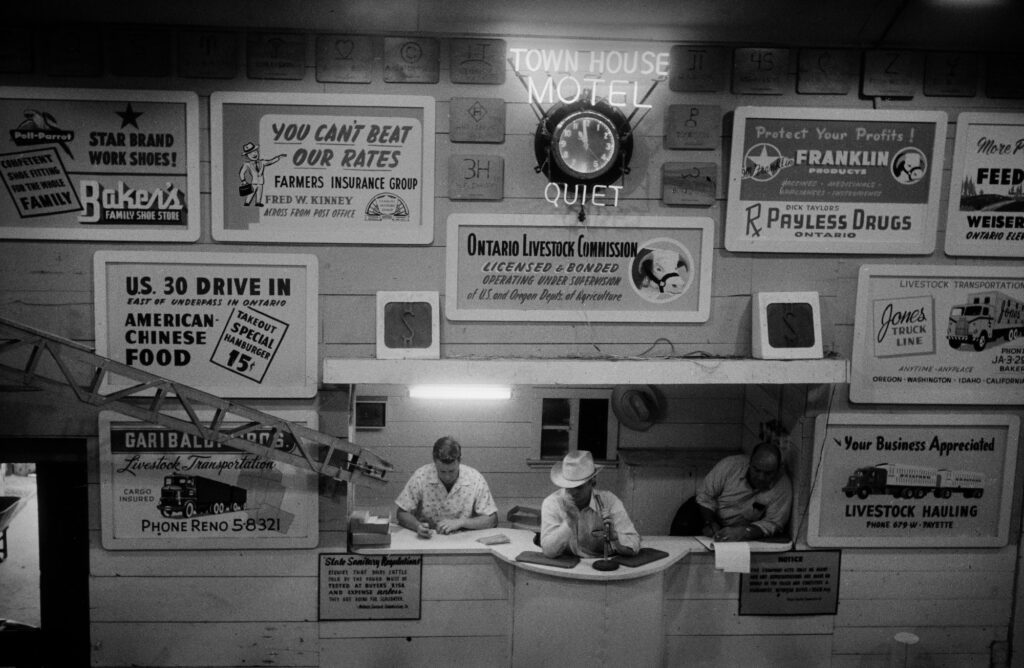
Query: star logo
pixel 762 162
pixel 129 117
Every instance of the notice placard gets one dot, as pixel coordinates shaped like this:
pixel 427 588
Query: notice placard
pixel 834 180
pixel 912 480
pixel 551 268
pixel 791 583
pixel 938 334
pixel 309 168
pixel 383 586
pixel 165 489
pixel 986 199
pixel 102 165
pixel 235 325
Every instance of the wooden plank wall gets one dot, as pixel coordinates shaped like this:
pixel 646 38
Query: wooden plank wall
pixel 229 608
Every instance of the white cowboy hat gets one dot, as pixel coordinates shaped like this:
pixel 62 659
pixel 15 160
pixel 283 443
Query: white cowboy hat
pixel 575 469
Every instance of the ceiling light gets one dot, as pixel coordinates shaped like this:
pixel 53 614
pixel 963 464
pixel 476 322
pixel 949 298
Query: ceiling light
pixel 465 392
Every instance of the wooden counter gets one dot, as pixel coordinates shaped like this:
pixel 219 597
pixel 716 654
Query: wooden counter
pixel 590 617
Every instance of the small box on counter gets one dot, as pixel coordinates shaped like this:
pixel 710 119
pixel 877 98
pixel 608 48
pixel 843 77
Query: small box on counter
pixel 368 530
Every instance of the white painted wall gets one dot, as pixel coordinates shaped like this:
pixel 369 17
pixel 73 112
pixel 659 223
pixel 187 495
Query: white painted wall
pixel 232 608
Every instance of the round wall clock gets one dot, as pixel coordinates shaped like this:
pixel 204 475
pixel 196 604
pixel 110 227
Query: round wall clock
pixel 583 143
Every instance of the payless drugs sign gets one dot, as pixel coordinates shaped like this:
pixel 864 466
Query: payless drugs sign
pixel 230 325
pixel 834 181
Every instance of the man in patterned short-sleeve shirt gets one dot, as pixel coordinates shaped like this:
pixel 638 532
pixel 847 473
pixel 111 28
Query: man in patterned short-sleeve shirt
pixel 446 496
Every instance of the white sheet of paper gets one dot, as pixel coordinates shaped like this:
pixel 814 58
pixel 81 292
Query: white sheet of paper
pixel 732 557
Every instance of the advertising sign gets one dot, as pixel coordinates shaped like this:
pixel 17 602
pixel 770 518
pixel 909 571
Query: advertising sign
pixel 164 489
pixel 310 168
pixel 234 325
pixel 355 587
pixel 938 335
pixel 986 199
pixel 551 268
pixel 104 165
pixel 912 480
pixel 834 180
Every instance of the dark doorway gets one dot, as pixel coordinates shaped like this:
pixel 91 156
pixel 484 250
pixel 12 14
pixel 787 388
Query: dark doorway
pixel 62 638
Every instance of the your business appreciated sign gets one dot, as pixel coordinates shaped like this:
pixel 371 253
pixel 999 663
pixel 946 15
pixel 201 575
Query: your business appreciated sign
pixel 165 489
pixel 834 180
pixel 310 168
pixel 913 480
pixel 235 325
pixel 986 199
pixel 939 334
pixel 105 165
pixel 552 268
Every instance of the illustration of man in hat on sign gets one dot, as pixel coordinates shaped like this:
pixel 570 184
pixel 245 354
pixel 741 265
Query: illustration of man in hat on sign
pixel 577 517
pixel 251 173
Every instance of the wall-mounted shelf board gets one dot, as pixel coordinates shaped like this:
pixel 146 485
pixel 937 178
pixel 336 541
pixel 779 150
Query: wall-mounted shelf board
pixel 587 372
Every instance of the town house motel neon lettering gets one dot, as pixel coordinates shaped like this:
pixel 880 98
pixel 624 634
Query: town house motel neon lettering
pixel 568 88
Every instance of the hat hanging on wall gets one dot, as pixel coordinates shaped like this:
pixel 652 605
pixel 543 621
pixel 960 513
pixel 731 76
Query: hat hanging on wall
pixel 638 406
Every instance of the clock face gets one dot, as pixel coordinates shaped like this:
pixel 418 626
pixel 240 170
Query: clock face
pixel 585 143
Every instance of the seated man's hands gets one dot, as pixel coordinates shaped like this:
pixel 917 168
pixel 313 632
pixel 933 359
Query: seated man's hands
pixel 726 534
pixel 449 526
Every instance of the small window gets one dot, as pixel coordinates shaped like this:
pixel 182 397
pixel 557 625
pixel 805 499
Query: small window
pixel 576 420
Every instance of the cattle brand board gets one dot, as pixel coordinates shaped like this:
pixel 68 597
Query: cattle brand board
pixel 99 165
pixel 912 480
pixel 164 489
pixel 834 181
pixel 938 335
pixel 552 268
pixel 322 168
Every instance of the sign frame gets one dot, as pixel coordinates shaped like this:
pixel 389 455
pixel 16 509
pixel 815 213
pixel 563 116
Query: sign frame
pixel 189 167
pixel 229 385
pixel 883 378
pixel 325 613
pixel 816 219
pixel 699 279
pixel 382 205
pixel 761 603
pixel 826 464
pixel 294 481
pixel 967 157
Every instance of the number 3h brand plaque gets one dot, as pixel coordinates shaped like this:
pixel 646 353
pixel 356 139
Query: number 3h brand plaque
pixel 408 325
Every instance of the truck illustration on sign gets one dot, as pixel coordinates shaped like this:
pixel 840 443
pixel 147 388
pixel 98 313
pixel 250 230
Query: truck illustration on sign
pixel 915 482
pixel 195 495
pixel 986 317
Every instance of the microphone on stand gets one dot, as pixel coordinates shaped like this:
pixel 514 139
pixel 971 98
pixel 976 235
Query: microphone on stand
pixel 607 563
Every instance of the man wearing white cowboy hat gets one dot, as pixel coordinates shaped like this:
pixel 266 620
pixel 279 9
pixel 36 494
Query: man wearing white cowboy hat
pixel 570 517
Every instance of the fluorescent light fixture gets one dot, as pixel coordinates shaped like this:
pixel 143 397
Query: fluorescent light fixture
pixel 465 392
